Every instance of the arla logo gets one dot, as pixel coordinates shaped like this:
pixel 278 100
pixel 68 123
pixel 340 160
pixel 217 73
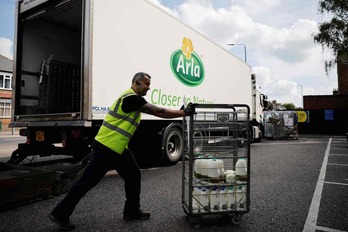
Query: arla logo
pixel 186 64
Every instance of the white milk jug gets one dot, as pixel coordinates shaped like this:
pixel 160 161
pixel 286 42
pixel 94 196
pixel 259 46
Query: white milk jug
pixel 222 199
pixel 198 167
pixel 214 171
pixel 213 200
pixel 240 198
pixel 203 200
pixel 231 198
pixel 241 167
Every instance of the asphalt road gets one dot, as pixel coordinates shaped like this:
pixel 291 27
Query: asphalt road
pixel 296 185
pixel 8 143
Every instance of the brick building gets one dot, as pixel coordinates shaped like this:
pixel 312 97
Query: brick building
pixel 329 113
pixel 6 67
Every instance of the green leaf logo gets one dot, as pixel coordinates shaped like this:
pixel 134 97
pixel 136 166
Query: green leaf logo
pixel 186 65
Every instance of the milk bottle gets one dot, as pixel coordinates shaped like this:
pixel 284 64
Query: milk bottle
pixel 203 199
pixel 196 197
pixel 213 200
pixel 204 170
pixel 241 171
pixel 222 199
pixel 240 198
pixel 241 167
pixel 214 171
pixel 195 207
pixel 221 170
pixel 198 167
pixel 231 198
pixel 230 177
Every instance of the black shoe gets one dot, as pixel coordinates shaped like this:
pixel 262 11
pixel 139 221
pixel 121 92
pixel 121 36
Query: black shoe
pixel 140 215
pixel 63 225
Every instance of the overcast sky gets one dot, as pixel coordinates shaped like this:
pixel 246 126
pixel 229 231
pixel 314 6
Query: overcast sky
pixel 277 35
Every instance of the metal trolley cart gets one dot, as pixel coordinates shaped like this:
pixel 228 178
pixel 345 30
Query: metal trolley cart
pixel 281 124
pixel 216 164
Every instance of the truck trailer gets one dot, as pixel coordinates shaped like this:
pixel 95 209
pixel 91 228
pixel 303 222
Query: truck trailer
pixel 73 58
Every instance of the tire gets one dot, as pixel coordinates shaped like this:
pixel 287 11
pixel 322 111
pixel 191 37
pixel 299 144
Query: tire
pixel 173 145
pixel 195 221
pixel 237 219
pixel 16 158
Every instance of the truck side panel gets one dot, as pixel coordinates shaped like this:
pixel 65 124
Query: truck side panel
pixel 142 37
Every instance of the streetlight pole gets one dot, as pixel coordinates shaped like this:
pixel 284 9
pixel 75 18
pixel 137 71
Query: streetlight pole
pixel 245 54
pixel 301 96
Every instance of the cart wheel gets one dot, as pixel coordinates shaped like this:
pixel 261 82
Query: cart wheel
pixel 195 221
pixel 237 219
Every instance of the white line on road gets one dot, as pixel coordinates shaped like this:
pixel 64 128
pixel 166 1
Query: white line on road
pixel 283 143
pixel 346 165
pixel 14 137
pixel 338 154
pixel 339 149
pixel 336 183
pixel 311 222
pixel 328 229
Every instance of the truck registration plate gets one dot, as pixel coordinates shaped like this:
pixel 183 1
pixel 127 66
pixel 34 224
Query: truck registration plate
pixel 40 136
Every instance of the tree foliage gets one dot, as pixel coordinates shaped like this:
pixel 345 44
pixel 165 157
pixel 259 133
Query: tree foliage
pixel 273 105
pixel 289 106
pixel 334 34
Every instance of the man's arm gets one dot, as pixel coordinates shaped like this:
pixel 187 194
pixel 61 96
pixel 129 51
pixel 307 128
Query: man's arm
pixel 161 112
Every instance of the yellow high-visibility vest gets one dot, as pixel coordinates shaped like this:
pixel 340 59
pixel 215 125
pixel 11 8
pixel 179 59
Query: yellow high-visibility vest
pixel 118 127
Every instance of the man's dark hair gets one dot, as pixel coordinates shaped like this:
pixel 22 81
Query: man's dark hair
pixel 140 75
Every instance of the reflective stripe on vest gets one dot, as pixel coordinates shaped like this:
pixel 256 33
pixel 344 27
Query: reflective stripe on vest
pixel 124 117
pixel 118 127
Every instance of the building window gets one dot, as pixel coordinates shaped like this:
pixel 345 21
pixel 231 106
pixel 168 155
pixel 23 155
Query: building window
pixel 5 108
pixel 5 81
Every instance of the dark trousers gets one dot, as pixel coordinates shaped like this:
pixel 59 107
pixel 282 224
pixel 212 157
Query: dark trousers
pixel 104 160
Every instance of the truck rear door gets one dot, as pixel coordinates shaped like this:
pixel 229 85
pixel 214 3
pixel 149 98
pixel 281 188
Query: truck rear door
pixel 48 60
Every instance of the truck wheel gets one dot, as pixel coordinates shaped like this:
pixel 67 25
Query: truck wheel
pixel 16 158
pixel 172 145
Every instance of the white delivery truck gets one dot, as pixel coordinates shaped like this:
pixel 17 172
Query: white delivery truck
pixel 73 58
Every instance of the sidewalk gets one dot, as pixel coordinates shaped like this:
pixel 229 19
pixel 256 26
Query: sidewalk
pixel 9 133
pixel 9 140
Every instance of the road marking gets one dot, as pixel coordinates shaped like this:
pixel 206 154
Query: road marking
pixel 339 146
pixel 329 229
pixel 14 139
pixel 311 222
pixel 340 139
pixel 339 149
pixel 282 143
pixel 346 165
pixel 336 183
pixel 338 154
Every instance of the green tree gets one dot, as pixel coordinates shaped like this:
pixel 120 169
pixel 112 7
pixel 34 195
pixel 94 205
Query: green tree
pixel 289 106
pixel 334 34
